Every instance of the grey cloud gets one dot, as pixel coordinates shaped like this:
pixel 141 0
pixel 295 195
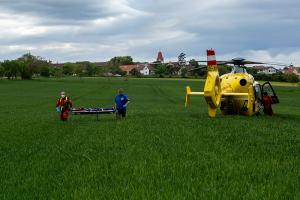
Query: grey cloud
pixel 140 28
pixel 63 11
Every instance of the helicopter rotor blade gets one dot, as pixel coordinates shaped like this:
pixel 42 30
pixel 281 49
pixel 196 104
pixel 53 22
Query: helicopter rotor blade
pixel 197 68
pixel 220 62
pixel 276 64
pixel 234 61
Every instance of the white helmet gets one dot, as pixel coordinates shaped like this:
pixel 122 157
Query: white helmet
pixel 62 94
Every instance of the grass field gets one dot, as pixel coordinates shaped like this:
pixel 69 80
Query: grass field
pixel 160 151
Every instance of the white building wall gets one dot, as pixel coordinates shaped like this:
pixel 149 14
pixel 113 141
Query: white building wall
pixel 145 71
pixel 268 71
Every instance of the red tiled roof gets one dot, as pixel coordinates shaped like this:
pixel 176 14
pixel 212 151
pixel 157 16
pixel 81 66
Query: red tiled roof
pixel 291 70
pixel 127 68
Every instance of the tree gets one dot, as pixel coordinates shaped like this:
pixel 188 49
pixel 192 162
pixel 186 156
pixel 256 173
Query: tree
pixel 291 78
pixel 79 70
pixel 161 70
pixel 223 69
pixel 171 69
pixel 35 64
pixel 181 59
pixel 120 60
pixel 90 69
pixel 251 71
pixel 2 70
pixel 116 70
pixel 184 72
pixel 45 71
pixel 58 72
pixel 102 71
pixel 135 72
pixel 68 69
pixel 24 70
pixel 262 76
pixel 10 68
pixel 278 77
pixel 7 71
pixel 195 65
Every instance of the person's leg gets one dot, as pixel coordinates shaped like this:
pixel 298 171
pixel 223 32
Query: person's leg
pixel 118 114
pixel 64 115
pixel 271 112
pixel 124 113
pixel 265 111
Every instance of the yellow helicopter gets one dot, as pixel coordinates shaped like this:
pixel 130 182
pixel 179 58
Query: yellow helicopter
pixel 234 93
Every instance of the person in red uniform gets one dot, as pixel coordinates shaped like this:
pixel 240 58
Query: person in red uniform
pixel 63 105
pixel 267 102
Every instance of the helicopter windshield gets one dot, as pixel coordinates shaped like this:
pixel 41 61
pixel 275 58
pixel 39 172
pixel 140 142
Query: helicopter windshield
pixel 238 69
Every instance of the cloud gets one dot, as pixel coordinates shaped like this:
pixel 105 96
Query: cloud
pixel 68 30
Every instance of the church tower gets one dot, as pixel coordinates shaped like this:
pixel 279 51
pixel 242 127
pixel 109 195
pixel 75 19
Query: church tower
pixel 160 57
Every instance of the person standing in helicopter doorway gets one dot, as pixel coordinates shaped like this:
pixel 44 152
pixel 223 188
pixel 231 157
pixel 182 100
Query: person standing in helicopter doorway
pixel 63 105
pixel 121 102
pixel 267 103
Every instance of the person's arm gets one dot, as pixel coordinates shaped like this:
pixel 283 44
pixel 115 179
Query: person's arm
pixel 57 106
pixel 70 103
pixel 57 102
pixel 127 102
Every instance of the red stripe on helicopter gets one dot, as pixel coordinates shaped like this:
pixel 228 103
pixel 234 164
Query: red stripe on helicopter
pixel 212 62
pixel 211 57
pixel 210 52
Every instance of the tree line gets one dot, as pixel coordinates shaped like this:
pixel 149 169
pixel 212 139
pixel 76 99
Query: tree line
pixel 28 66
pixel 24 67
pixel 278 77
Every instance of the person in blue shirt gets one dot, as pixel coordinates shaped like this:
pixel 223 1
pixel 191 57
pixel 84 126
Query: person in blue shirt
pixel 121 102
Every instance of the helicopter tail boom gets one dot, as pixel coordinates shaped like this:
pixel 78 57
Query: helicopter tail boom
pixel 188 95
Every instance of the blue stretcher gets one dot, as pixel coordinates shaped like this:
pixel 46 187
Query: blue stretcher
pixel 91 111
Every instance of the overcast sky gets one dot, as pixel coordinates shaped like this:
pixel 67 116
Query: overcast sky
pixel 96 30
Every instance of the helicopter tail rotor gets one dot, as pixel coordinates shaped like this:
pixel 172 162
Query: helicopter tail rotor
pixel 212 88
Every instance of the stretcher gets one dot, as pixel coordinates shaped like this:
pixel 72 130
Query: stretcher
pixel 92 111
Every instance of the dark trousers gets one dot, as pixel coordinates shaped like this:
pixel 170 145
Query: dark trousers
pixel 121 113
pixel 268 111
pixel 64 114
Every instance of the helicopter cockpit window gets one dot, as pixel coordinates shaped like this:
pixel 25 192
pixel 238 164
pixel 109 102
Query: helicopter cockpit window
pixel 238 69
pixel 257 88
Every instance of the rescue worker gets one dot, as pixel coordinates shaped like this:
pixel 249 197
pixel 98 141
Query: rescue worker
pixel 121 102
pixel 63 105
pixel 267 103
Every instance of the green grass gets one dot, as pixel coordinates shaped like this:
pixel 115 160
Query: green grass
pixel 160 151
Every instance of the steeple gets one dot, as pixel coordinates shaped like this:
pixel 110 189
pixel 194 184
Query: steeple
pixel 160 57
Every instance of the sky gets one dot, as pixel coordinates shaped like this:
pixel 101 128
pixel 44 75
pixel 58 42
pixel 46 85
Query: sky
pixel 97 30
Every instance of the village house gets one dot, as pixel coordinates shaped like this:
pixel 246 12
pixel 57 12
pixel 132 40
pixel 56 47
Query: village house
pixel 266 70
pixel 143 68
pixel 291 70
pixel 128 68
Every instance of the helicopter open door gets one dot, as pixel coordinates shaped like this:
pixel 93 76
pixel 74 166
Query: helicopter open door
pixel 267 87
